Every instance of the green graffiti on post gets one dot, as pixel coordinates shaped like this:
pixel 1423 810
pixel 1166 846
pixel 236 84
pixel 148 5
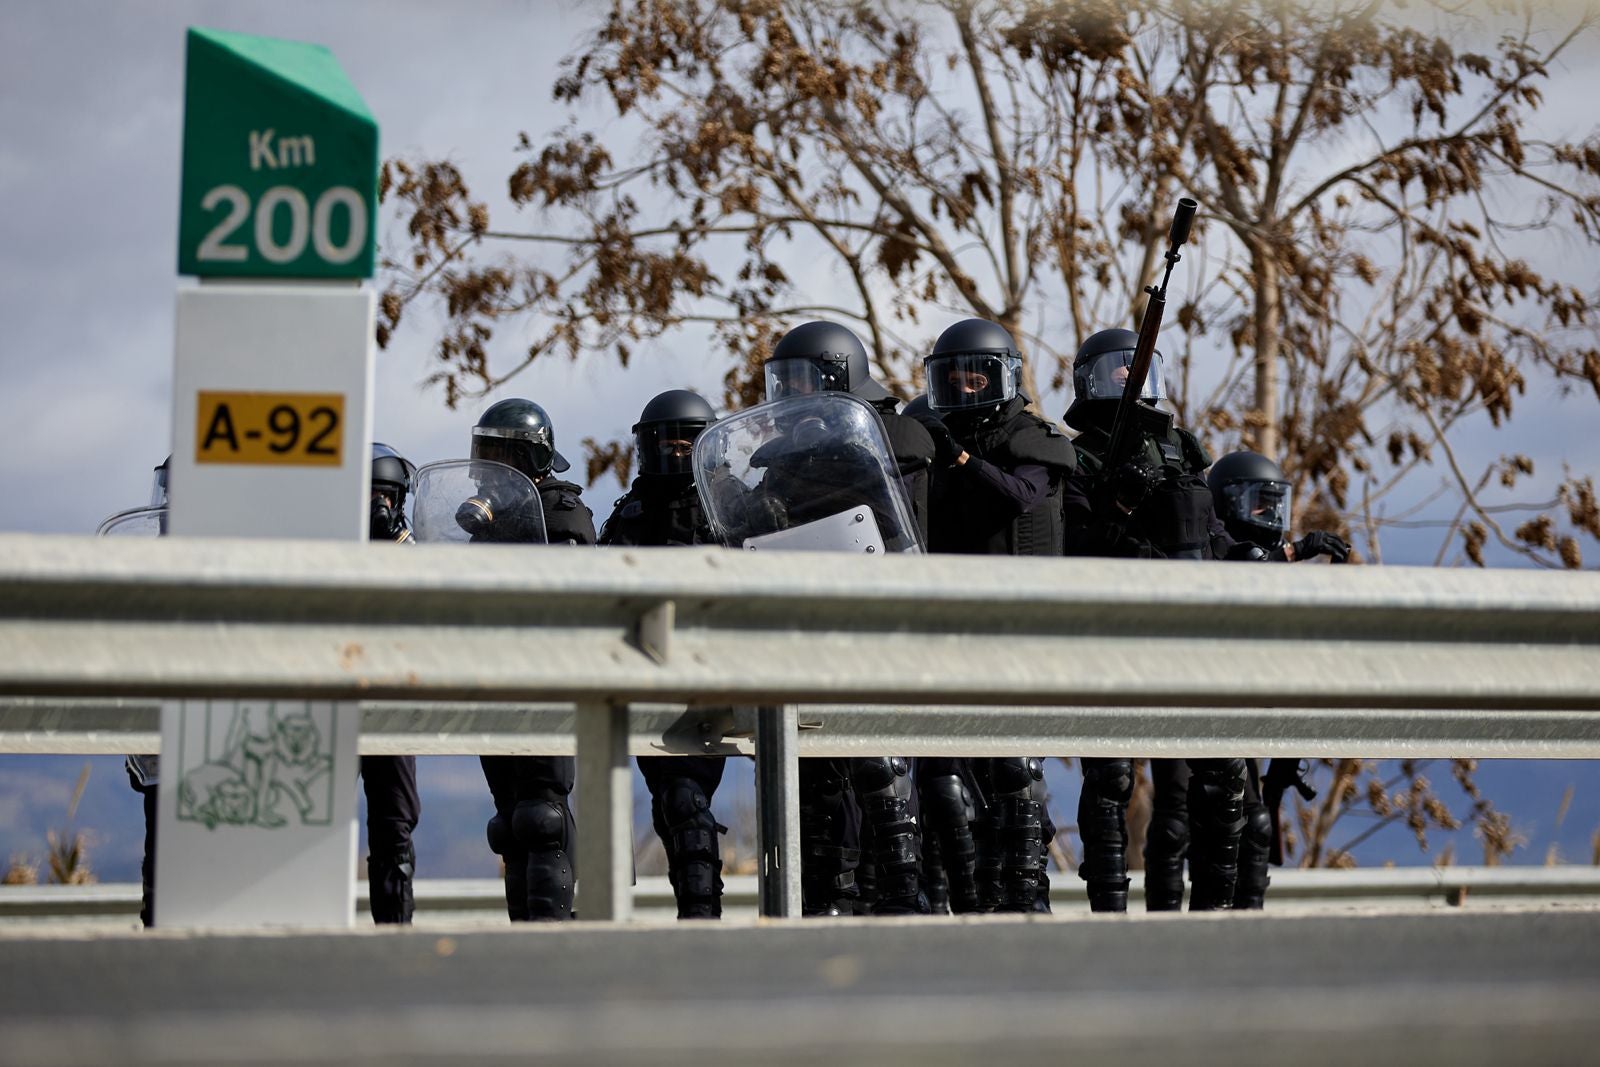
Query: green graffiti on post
pixel 280 162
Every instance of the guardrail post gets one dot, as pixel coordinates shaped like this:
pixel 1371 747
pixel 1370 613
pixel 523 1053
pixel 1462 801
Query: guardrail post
pixel 605 812
pixel 778 809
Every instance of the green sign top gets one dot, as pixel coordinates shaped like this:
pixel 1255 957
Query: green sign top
pixel 280 162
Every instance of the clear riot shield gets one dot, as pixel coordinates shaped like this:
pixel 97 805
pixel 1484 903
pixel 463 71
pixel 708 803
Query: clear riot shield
pixel 458 501
pixel 135 522
pixel 810 472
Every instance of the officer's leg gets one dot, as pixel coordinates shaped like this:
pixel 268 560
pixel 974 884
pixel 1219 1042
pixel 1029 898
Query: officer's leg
pixel 681 788
pixel 1103 826
pixel 147 865
pixel 830 840
pixel 393 808
pixel 500 773
pixel 1167 842
pixel 987 839
pixel 1216 820
pixel 1041 900
pixel 1018 792
pixel 888 806
pixel 544 827
pixel 948 813
pixel 1255 844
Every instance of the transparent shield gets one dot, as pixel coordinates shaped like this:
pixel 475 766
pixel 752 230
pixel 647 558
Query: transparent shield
pixel 135 522
pixel 816 470
pixel 460 501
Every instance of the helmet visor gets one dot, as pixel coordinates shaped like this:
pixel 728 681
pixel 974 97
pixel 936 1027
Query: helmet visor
pixel 1261 505
pixel 532 458
pixel 970 380
pixel 1107 374
pixel 667 447
pixel 798 377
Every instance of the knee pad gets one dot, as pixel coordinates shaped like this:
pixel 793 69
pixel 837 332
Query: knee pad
pixel 691 827
pixel 501 840
pixel 540 825
pixel 1016 776
pixel 1216 796
pixel 946 800
pixel 1167 838
pixel 885 773
pixel 1257 826
pixel 1109 780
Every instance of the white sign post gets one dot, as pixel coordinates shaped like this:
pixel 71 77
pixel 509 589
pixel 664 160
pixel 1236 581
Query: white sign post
pixel 272 437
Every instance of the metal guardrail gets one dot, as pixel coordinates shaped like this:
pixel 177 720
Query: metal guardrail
pixel 1091 656
pixel 445 899
pixel 111 726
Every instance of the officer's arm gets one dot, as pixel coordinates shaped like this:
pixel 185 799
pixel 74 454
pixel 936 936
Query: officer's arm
pixel 1023 488
pixel 1092 529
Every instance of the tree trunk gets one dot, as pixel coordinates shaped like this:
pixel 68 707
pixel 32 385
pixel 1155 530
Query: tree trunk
pixel 1263 434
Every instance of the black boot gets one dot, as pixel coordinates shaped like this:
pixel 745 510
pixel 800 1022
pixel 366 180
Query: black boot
pixel 389 889
pixel 1102 825
pixel 884 790
pixel 1018 785
pixel 544 829
pixel 693 855
pixel 1216 821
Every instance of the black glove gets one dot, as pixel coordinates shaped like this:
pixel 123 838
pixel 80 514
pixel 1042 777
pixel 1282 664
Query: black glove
pixel 1321 543
pixel 1131 484
pixel 945 447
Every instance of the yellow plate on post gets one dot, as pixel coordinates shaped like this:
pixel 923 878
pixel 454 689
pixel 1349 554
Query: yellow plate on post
pixel 294 429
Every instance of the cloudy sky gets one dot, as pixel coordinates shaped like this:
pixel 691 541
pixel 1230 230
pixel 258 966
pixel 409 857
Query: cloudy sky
pixel 90 133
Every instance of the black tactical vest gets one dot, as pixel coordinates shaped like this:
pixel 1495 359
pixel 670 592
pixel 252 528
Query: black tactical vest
pixel 658 510
pixel 970 522
pixel 1175 518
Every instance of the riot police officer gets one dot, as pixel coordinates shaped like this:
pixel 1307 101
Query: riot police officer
pixel 1154 505
pixel 884 820
pixel 662 508
pixel 1004 469
pixel 533 829
pixel 1253 499
pixel 390 782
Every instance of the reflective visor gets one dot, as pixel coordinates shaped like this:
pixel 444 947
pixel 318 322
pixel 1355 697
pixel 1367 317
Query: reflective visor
pixel 1106 375
pixel 798 377
pixel 667 447
pixel 1263 504
pixel 532 458
pixel 970 380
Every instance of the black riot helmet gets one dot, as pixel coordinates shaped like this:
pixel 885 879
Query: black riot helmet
pixel 393 477
pixel 820 356
pixel 974 368
pixel 666 431
pixel 159 484
pixel 1252 498
pixel 1100 369
pixel 519 434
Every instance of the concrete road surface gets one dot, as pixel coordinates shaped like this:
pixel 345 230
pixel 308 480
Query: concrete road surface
pixel 1455 988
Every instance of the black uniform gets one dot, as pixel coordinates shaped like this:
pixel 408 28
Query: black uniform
pixel 533 829
pixel 1002 499
pixel 1252 499
pixel 665 510
pixel 394 806
pixel 807 481
pixel 1177 520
